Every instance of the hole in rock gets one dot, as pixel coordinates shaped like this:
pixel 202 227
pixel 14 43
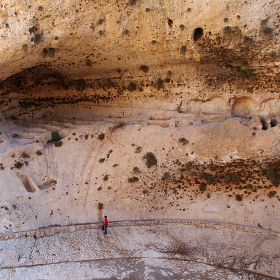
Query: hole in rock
pixel 197 34
pixel 273 122
pixel 33 29
pixel 170 22
pixel 264 124
pixel 144 68
pixel 18 83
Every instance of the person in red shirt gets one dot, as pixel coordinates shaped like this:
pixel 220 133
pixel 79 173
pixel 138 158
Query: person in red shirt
pixel 105 224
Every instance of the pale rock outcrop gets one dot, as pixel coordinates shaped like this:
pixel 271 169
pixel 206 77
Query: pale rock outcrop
pixel 159 111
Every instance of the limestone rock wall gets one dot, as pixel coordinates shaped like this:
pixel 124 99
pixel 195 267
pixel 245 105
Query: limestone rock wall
pixel 94 38
pixel 156 109
pixel 212 59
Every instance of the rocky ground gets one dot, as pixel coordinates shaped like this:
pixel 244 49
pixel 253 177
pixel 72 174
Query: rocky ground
pixel 142 250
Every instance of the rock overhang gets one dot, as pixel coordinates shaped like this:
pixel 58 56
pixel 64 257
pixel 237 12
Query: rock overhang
pixel 94 39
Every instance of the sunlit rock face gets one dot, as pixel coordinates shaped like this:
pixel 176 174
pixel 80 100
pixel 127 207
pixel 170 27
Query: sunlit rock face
pixel 157 110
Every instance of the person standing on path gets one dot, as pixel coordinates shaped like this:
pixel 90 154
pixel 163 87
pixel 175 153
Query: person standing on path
pixel 105 224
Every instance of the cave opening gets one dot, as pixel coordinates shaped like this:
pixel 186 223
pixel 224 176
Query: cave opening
pixel 170 22
pixel 197 34
pixel 273 122
pixel 264 124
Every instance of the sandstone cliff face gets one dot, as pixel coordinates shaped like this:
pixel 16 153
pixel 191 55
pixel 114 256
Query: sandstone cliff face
pixel 157 109
pixel 198 57
pixel 96 37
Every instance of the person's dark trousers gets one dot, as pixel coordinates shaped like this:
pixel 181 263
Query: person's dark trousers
pixel 105 230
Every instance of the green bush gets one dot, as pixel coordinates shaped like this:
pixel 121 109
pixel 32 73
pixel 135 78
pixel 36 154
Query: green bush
pixel 183 140
pixel 227 30
pixel 101 160
pixel 101 136
pixel 58 143
pixel 28 104
pixel 133 179
pixel 166 176
pixel 150 159
pixel 132 2
pixel 18 165
pixel 208 177
pixel 45 53
pixel 136 169
pixel 50 52
pixel 268 31
pixel 183 50
pixel 238 197
pixel 39 153
pixel 38 38
pixel 231 178
pixel 273 176
pixel 159 84
pixel 202 187
pixel 271 194
pixel 131 87
pixel 234 178
pixel 55 136
pixel 248 41
pixel 24 155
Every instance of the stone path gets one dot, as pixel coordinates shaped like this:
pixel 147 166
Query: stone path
pixel 148 250
pixel 56 229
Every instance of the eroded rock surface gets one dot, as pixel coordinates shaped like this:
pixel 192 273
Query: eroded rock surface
pixel 156 109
